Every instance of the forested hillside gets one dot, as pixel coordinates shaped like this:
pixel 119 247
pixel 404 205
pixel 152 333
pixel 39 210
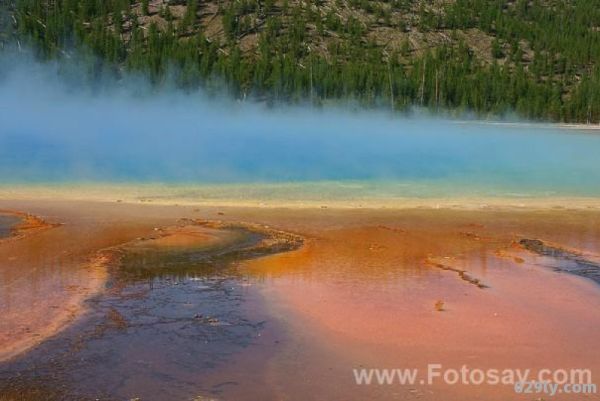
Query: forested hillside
pixel 538 58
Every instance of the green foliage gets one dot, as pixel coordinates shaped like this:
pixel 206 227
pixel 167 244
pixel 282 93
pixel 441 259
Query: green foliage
pixel 497 49
pixel 544 61
pixel 145 7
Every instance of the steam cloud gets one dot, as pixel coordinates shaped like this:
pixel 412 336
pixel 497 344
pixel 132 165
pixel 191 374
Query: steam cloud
pixel 55 130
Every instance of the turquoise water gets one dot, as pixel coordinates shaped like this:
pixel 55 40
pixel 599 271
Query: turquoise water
pixel 407 158
pixel 50 133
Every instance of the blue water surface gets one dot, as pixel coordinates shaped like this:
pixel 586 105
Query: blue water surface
pixel 49 133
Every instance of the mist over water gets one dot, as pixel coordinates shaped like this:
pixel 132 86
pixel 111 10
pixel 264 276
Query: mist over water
pixel 54 131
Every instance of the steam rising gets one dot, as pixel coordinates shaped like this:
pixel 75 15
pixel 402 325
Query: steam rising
pixel 57 130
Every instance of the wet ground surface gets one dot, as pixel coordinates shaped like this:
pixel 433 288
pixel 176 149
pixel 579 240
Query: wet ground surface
pixel 563 260
pixel 167 319
pixel 6 224
pixel 187 316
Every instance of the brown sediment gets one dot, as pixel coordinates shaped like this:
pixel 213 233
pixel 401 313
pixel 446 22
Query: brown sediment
pixel 358 294
pixel 33 394
pixel 273 240
pixel 463 274
pixel 208 243
pixel 46 277
pixel 353 307
pixel 204 235
pixel 23 336
pixel 182 236
pixel 28 224
pixel 19 338
pixel 192 233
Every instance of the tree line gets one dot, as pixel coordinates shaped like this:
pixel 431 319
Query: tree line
pixel 542 62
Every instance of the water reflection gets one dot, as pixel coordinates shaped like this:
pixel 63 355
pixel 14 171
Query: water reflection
pixel 6 224
pixel 172 313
